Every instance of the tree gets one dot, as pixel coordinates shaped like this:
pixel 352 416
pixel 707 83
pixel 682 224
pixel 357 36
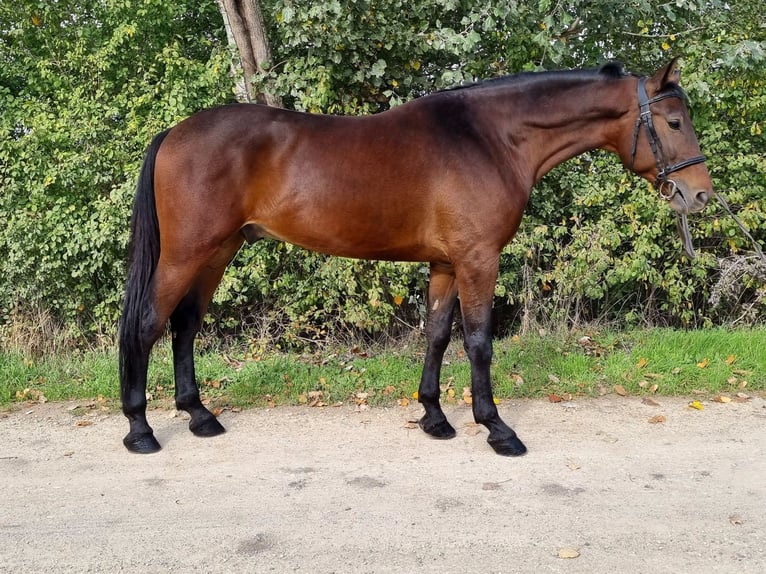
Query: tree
pixel 247 34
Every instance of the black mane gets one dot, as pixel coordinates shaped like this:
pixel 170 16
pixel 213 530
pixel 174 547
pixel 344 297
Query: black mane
pixel 610 70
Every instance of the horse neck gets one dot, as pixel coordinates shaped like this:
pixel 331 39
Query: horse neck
pixel 551 121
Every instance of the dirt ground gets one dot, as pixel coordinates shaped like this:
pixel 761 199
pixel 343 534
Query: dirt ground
pixel 331 490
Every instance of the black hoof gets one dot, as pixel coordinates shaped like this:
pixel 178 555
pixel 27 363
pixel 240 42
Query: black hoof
pixel 207 426
pixel 440 429
pixel 508 446
pixel 143 443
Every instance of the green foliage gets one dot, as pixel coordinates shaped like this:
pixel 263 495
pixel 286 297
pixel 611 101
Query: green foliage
pixel 84 86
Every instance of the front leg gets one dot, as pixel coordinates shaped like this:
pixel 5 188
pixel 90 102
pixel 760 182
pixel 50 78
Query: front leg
pixel 442 294
pixel 476 291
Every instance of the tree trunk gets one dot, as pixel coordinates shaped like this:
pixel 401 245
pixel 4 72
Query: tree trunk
pixel 245 30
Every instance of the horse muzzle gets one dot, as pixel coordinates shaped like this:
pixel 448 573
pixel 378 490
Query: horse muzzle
pixel 681 200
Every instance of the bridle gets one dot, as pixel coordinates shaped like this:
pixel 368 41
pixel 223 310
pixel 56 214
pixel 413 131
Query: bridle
pixel 665 186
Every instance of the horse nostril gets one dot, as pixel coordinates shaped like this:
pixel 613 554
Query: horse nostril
pixel 702 197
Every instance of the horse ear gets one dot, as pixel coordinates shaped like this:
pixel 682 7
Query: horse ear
pixel 668 74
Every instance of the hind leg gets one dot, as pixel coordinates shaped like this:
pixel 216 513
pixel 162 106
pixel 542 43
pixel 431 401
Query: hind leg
pixel 185 322
pixel 134 362
pixel 181 292
pixel 442 293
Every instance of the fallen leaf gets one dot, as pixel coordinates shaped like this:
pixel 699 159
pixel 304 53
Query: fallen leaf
pixel 676 370
pixel 703 363
pixel 722 399
pixel 602 390
pixel 415 395
pixel 554 398
pixel 742 397
pixel 642 363
pixel 472 429
pixel 398 299
pixel 650 402
pixel 620 390
pixel 410 425
pixel 658 419
pixel 731 359
pixel 736 520
pixel 83 423
pixel 496 400
pixel 217 411
pixel 653 388
pixel 554 379
pixel 404 402
pixel 490 486
pixel 517 379
pixel 572 465
pixel 569 553
pixel 696 405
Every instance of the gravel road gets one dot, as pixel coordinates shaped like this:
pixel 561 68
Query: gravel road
pixel 333 490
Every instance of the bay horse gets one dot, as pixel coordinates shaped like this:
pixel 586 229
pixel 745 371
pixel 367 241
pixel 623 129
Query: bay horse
pixel 443 179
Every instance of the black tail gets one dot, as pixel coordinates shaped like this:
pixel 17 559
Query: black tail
pixel 142 260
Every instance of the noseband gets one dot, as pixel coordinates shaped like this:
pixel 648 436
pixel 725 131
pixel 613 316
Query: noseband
pixel 666 187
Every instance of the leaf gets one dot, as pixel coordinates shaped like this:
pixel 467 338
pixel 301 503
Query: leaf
pixel 472 429
pixel 696 405
pixel 398 299
pixel 620 390
pixel 467 398
pixel 731 359
pixel 736 520
pixel 554 379
pixel 658 419
pixel 554 398
pixel 703 363
pixel 641 363
pixel 569 553
pixel 415 395
pixel 722 399
pixel 650 402
pixel 83 423
pixel 653 388
pixel 404 402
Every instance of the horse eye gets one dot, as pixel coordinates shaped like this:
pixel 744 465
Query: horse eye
pixel 674 124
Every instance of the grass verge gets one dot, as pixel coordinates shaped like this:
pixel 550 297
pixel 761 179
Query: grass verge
pixel 592 363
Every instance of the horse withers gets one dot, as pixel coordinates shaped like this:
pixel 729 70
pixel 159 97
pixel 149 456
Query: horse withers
pixel 443 179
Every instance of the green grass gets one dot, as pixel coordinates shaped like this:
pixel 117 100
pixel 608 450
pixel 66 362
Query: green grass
pixel 643 362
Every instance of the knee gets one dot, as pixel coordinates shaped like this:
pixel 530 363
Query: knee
pixel 478 347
